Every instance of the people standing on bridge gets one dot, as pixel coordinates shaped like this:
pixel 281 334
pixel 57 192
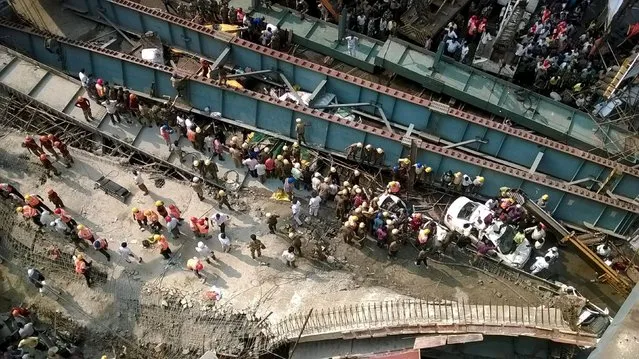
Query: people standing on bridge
pixel 542 202
pixel 165 250
pixel 352 42
pixel 112 110
pixel 84 80
pixel 300 129
pixel 84 104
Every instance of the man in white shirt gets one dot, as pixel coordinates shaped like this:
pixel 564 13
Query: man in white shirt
pixel 314 204
pixel 451 46
pixel 127 253
pixel 137 177
pixel 260 169
pixel 288 256
pixel 112 110
pixel 205 252
pixel 296 208
pixel 225 242
pixel 540 264
pixel 220 219
pixel 316 181
pixel 84 79
pixel 352 42
pixel 251 163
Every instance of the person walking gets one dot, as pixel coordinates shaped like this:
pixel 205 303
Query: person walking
pixel 140 217
pixel 62 147
pixel 84 104
pixel 37 279
pixel 314 204
pixel 85 233
pixel 48 166
pixel 112 110
pixel 101 245
pixel 36 202
pixel 296 242
pixel 225 242
pixel 220 219
pixel 54 198
pixel 47 144
pixel 288 256
pixel 30 213
pixel 139 181
pixel 83 268
pixel 195 265
pixel 256 246
pixel 172 225
pixel 165 250
pixel 223 200
pixel 30 144
pixel 127 253
pixel 68 220
pixel 205 252
pixel 296 208
pixel 271 220
pixel 198 187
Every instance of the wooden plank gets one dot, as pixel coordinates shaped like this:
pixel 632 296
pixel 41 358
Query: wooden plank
pixel 429 341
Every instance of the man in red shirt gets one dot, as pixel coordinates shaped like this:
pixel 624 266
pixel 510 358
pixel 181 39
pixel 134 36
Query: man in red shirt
pixel 85 105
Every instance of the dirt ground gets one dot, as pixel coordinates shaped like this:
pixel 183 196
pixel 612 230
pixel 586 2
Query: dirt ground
pixel 365 275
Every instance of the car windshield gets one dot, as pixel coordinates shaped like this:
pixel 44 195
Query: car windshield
pixel 467 210
pixel 506 242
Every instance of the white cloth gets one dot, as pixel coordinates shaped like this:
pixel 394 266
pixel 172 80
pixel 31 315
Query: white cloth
pixel 223 218
pixel 271 27
pixel 59 226
pixel 295 208
pixel 261 169
pixel 84 79
pixel 288 256
pixel 296 173
pixel 250 163
pixel 314 202
pixel 553 254
pixel 604 252
pixel 539 265
pixel 46 217
pixel 315 183
pixel 535 233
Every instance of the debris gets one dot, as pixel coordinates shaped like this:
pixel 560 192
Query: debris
pixel 498 294
pixel 159 347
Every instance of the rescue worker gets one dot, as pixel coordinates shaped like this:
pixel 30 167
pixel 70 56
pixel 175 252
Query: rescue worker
pixel 46 218
pixel 419 172
pixel 48 166
pixel 466 183
pixel 139 181
pixel 68 220
pixel 423 237
pixel 542 202
pixel 154 221
pixel 30 213
pixel 36 202
pixel 195 265
pixel 603 250
pixel 199 167
pixel 223 200
pixel 300 129
pixel 340 206
pixel 483 248
pixel 165 250
pixel 354 151
pixel 205 252
pixel 175 212
pixel 288 256
pixel 172 226
pixel 210 168
pixel 355 178
pixel 84 268
pixel 46 143
pixel 457 181
pixel 85 233
pixel 295 152
pixel 393 248
pixel 422 258
pixel 159 207
pixel 59 226
pixel 379 157
pixel 279 167
pixel 256 246
pixel 428 176
pixel 197 186
pixel 8 190
pixel 447 179
pixel 139 217
pixel 101 245
pixel 84 104
pixel 360 235
pixel 62 147
pixel 54 198
pixel 536 234
pixel 381 234
pixel 393 187
pixel 30 144
pixel 271 220
pixel 193 225
pixel 478 182
pixel 540 264
pixel 368 155
pixel 334 176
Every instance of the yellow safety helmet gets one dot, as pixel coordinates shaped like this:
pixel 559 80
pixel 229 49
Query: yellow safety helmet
pixel 428 170
pixel 159 203
pixel 80 227
pixel 135 210
pixel 27 197
pixel 545 197
pixel 147 212
pixel 481 179
pixel 362 225
pixel 221 193
pixel 19 209
pixel 295 144
pixel 156 237
pixel 426 231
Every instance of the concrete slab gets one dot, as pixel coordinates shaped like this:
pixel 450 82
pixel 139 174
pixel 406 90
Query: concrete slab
pixel 56 92
pixel 123 130
pixel 5 60
pixel 22 76
pixel 149 140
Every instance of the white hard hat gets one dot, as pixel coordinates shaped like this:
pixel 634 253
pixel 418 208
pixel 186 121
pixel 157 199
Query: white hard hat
pixel 196 163
pixel 285 161
pixel 379 150
pixel 356 173
pixel 291 235
pixel 198 130
pixel 317 175
pixel 245 145
pixel 298 120
pixel 395 231
pixel 200 244
pixel 234 139
pixel 295 144
pixel 362 225
pixel 327 179
pixel 346 184
pixel 297 165
pixel 268 215
pixel 389 222
pixel 359 144
pixel 285 148
pixel 196 179
pixel 333 169
pixel 358 190
pixel 30 271
pixel 369 147
pixel 221 193
pixel 207 162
